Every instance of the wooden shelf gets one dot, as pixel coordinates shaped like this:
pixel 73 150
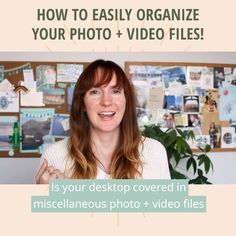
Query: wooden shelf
pixel 218 150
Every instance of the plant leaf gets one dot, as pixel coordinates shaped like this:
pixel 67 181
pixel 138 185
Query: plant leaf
pixel 181 133
pixel 201 161
pixel 177 147
pixel 192 162
pixel 177 175
pixel 177 157
pixel 207 148
pixel 191 135
pixel 207 165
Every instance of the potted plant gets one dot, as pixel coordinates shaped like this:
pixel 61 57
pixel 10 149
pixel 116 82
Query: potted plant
pixel 177 147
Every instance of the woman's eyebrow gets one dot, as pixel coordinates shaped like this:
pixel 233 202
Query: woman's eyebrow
pixel 116 86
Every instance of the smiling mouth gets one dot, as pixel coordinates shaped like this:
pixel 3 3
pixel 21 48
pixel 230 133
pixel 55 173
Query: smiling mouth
pixel 106 113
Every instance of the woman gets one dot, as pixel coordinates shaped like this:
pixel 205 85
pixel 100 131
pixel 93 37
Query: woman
pixel 213 134
pixel 105 140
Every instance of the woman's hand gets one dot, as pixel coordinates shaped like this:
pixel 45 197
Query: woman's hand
pixel 46 173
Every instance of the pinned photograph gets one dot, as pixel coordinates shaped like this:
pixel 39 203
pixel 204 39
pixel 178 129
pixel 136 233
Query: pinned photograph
pixel 70 93
pixel 194 76
pixel 230 76
pixel 228 138
pixel 196 130
pixel 173 103
pixel 200 141
pixel 54 96
pixel 6 131
pixel 207 77
pixel 178 89
pixel 69 72
pixel 194 120
pixel 45 77
pixel 178 120
pixel 200 91
pixel 211 125
pixel 148 76
pixel 233 124
pixel 191 104
pixel 165 118
pixel 227 102
pixel 211 101
pixel 175 74
pixel 142 95
pixel 215 135
pixel 9 102
pixel 219 77
pixel 35 123
pixel 60 125
pixel 156 98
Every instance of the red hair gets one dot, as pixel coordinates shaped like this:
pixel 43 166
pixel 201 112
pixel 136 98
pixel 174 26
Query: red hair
pixel 125 163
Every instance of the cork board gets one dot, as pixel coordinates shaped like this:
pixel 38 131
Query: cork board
pixel 222 80
pixel 13 72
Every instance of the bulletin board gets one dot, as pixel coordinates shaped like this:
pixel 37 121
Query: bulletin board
pixel 196 96
pixel 55 93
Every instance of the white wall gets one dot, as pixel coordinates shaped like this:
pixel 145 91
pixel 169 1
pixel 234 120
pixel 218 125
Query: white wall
pixel 22 170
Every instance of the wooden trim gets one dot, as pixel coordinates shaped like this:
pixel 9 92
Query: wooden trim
pixel 128 63
pixel 217 150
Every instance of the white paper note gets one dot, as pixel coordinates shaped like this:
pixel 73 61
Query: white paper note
pixel 6 86
pixel 28 78
pixel 32 98
pixel 65 124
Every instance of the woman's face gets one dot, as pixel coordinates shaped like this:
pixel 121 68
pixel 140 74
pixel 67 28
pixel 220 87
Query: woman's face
pixel 105 107
pixel 192 118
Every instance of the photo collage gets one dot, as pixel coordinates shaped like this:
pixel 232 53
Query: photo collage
pixel 190 97
pixel 35 102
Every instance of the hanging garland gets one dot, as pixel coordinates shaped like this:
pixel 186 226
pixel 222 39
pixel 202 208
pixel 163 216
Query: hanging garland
pixel 16 70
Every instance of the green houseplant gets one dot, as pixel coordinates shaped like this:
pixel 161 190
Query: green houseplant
pixel 177 147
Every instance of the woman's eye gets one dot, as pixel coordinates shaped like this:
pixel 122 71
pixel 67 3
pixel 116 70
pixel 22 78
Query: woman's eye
pixel 94 92
pixel 116 91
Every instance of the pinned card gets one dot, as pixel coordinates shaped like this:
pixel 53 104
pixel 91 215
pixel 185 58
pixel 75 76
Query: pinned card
pixel 6 86
pixel 156 98
pixel 29 78
pixel 32 98
pixel 9 102
pixel 60 125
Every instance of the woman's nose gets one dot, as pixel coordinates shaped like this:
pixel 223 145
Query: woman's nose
pixel 106 99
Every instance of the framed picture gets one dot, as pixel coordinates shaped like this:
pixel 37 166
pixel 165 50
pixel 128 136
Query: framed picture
pixel 228 138
pixel 60 125
pixel 35 124
pixel 191 103
pixel 6 131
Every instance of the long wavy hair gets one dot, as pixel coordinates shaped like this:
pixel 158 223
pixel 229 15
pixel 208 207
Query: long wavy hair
pixel 126 162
